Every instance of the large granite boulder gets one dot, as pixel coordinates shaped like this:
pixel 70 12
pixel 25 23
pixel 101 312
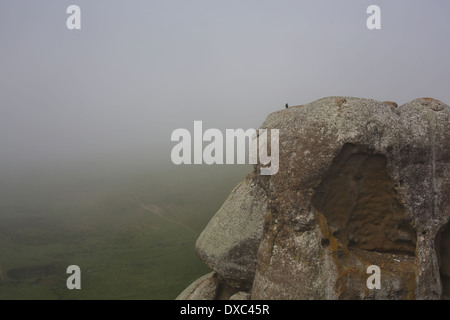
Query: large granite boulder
pixel 230 241
pixel 360 183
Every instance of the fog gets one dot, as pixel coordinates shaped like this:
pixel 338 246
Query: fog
pixel 114 91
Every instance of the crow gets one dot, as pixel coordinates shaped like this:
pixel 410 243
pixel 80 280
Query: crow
pixel 286 106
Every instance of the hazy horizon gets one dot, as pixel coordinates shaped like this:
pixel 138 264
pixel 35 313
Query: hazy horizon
pixel 137 70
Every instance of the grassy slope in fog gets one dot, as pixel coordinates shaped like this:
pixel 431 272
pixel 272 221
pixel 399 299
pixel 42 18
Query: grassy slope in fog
pixel 131 233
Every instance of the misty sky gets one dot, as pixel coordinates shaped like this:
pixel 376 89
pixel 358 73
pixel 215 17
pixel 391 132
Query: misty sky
pixel 137 70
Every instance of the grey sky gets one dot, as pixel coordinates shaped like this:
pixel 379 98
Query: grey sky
pixel 137 70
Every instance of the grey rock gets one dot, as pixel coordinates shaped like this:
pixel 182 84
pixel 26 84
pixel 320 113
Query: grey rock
pixel 204 288
pixel 241 295
pixel 376 179
pixel 230 241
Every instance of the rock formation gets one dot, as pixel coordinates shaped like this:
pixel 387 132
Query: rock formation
pixel 360 183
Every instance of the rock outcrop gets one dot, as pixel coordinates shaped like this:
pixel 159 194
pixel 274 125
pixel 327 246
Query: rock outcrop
pixel 230 241
pixel 204 288
pixel 360 183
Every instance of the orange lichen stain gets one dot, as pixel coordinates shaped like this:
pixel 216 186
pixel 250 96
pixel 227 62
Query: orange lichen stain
pixel 341 102
pixel 338 253
pixel 333 246
pixel 391 103
pixel 347 269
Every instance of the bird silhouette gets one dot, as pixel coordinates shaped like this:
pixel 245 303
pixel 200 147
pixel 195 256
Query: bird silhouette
pixel 286 106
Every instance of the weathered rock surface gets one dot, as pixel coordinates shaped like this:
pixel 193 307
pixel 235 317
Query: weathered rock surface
pixel 204 288
pixel 230 241
pixel 241 295
pixel 360 183
pixel 211 286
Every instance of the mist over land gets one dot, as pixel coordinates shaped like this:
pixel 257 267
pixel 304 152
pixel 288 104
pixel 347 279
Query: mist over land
pixel 131 229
